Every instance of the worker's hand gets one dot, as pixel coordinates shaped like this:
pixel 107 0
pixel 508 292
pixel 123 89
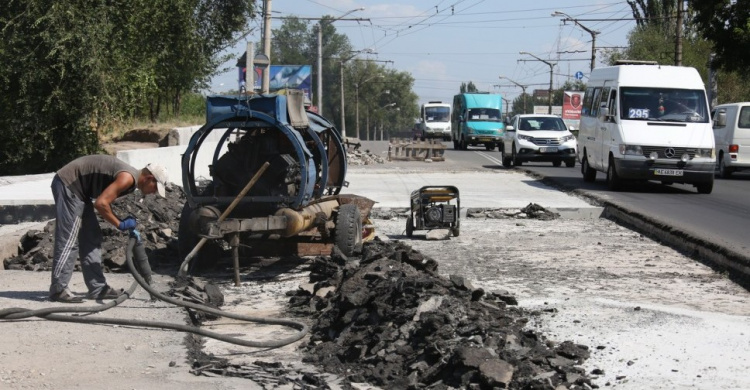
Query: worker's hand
pixel 127 224
pixel 136 234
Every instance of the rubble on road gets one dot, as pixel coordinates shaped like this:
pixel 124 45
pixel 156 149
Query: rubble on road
pixel 390 320
pixel 158 222
pixel 531 211
pixel 359 157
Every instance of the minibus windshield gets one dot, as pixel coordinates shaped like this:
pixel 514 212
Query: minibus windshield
pixel 484 114
pixel 663 104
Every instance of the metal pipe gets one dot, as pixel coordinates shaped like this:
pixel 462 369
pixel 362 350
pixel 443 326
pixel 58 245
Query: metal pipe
pixel 299 221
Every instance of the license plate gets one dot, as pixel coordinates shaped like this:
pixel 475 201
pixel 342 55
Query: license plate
pixel 485 139
pixel 547 150
pixel 668 172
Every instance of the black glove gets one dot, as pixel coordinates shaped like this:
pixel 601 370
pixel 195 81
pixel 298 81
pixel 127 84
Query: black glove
pixel 127 224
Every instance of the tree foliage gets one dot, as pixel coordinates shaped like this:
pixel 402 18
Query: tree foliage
pixel 468 88
pixel 73 67
pixel 726 23
pixel 367 85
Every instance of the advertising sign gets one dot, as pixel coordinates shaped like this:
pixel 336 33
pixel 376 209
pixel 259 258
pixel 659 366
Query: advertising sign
pixel 283 77
pixel 572 101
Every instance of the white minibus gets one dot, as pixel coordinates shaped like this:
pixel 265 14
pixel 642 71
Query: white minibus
pixel 642 121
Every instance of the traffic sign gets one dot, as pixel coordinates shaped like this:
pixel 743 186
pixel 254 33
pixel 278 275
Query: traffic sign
pixel 579 75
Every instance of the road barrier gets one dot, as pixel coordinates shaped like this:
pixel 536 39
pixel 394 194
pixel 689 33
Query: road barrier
pixel 405 149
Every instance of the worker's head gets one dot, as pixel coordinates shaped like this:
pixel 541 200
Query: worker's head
pixel 153 179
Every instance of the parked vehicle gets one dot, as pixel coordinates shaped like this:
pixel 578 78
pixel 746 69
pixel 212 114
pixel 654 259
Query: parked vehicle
pixel 476 120
pixel 531 137
pixel 732 137
pixel 435 120
pixel 643 121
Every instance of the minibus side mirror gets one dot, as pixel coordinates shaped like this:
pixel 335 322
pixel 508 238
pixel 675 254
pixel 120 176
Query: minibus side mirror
pixel 721 119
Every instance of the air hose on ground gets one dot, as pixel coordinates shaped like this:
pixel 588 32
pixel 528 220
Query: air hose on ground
pixel 136 249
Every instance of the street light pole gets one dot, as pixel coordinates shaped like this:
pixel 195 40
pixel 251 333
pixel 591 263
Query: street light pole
pixel 523 88
pixel 593 33
pixel 320 56
pixel 356 101
pixel 551 68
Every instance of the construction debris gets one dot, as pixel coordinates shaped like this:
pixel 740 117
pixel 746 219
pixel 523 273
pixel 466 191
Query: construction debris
pixel 406 149
pixel 158 222
pixel 392 321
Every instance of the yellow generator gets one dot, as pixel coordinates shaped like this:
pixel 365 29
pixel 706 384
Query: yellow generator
pixel 432 208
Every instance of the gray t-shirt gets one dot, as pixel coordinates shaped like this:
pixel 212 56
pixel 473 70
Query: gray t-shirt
pixel 88 176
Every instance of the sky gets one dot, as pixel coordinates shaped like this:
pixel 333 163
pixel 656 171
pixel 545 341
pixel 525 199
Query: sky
pixel 443 43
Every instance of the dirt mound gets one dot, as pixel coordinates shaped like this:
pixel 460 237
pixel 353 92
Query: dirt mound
pixel 158 222
pixel 389 319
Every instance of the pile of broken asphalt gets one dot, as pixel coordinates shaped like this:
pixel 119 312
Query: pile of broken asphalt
pixel 385 317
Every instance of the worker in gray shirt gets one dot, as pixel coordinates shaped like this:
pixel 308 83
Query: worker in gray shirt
pixel 86 184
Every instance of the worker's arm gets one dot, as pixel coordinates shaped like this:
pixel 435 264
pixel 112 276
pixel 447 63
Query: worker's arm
pixel 103 203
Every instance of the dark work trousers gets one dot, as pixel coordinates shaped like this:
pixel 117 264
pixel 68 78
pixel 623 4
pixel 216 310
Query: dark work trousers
pixel 76 223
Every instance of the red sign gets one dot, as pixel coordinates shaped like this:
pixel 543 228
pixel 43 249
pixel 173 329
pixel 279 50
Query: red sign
pixel 572 102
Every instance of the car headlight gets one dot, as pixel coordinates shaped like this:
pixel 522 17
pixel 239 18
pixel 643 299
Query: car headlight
pixel 704 153
pixel 567 138
pixel 525 137
pixel 633 150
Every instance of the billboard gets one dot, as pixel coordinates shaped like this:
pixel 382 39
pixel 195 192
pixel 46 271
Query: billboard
pixel 572 102
pixel 283 77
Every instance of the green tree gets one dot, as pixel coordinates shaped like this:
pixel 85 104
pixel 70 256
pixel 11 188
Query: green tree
pixel 468 88
pixel 726 23
pixel 71 68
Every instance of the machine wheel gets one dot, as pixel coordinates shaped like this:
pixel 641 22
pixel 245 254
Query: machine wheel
pixel 348 235
pixel 517 162
pixel 570 163
pixel 490 147
pixel 706 187
pixel 589 174
pixel 724 171
pixel 455 232
pixel 614 183
pixel 556 163
pixel 409 226
pixel 187 240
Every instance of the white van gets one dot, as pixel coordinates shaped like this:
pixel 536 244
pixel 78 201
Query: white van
pixel 732 137
pixel 642 121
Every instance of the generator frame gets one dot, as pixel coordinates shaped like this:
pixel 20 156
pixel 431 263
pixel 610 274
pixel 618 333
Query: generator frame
pixel 431 208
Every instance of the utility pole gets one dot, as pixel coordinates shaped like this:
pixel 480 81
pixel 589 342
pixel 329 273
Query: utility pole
pixel 523 88
pixel 266 44
pixel 678 35
pixel 551 68
pixel 320 55
pixel 588 30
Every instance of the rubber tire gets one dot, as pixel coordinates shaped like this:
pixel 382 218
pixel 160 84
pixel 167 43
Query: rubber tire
pixel 614 183
pixel 724 171
pixel 705 188
pixel 455 232
pixel 462 144
pixel 556 163
pixel 456 145
pixel 570 163
pixel 490 147
pixel 348 235
pixel 516 161
pixel 507 160
pixel 409 226
pixel 589 174
pixel 187 240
